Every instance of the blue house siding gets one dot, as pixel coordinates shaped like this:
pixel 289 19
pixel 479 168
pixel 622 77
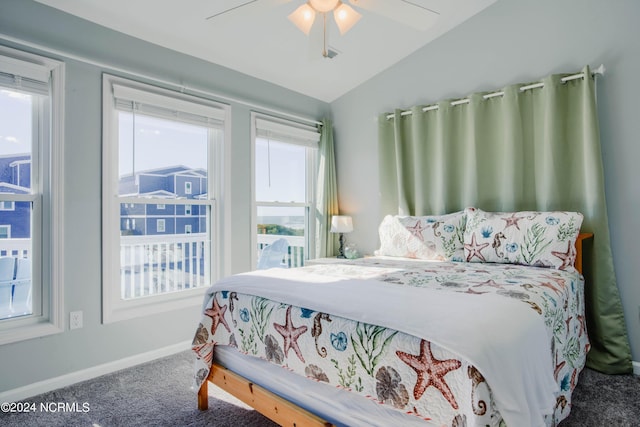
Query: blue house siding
pixel 166 183
pixel 19 219
pixel 151 183
pixel 15 178
pixel 23 173
pixel 8 173
pixel 154 210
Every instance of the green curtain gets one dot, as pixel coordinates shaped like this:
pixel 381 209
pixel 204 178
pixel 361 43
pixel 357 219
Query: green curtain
pixel 535 149
pixel 326 192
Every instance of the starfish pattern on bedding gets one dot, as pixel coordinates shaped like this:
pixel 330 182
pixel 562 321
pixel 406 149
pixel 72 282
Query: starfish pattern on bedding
pixel 431 371
pixel 512 221
pixel 417 229
pixel 217 316
pixel 290 334
pixel 567 257
pixel 475 249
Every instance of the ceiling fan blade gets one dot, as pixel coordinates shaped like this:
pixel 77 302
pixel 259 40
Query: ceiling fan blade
pixel 242 8
pixel 406 12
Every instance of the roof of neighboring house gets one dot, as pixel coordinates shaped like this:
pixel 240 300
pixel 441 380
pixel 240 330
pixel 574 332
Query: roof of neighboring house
pixel 14 189
pixel 169 170
pixel 159 193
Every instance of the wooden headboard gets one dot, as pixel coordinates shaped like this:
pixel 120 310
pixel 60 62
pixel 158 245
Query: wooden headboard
pixel 579 253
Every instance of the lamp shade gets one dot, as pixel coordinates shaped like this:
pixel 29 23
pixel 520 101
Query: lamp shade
pixel 345 17
pixel 303 18
pixel 341 224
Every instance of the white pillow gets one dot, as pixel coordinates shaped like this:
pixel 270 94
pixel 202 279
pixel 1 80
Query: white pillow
pixel 543 239
pixel 423 237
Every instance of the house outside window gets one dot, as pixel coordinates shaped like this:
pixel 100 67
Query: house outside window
pixel 31 164
pixel 155 140
pixel 7 206
pixel 284 159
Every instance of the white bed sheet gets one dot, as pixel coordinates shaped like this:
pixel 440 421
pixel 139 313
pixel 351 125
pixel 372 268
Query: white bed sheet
pixel 328 402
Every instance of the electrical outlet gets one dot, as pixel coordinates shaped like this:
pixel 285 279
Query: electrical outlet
pixel 75 320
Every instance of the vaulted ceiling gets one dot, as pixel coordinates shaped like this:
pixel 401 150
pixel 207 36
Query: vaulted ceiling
pixel 255 37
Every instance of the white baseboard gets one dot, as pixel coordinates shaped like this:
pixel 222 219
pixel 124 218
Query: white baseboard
pixel 45 386
pixel 636 368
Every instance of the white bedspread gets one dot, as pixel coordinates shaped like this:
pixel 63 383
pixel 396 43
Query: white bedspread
pixel 516 360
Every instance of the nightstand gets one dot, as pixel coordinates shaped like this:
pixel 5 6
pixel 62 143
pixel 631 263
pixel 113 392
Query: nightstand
pixel 328 260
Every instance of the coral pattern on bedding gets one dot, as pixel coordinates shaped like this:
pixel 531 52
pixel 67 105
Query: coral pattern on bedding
pixel 407 373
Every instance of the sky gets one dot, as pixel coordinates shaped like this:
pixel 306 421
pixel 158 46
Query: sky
pixel 15 123
pixel 160 143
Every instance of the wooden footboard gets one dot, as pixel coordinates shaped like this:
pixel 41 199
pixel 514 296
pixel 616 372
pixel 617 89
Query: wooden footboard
pixel 262 400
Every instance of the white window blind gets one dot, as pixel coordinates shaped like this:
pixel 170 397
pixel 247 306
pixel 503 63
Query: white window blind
pixel 302 135
pixel 159 105
pixel 22 75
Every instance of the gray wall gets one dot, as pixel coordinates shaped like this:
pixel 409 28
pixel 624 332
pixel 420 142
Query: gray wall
pixel 510 42
pixel 36 360
pixel 513 41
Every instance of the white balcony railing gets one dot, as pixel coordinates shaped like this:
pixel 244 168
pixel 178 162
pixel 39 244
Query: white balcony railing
pixel 151 265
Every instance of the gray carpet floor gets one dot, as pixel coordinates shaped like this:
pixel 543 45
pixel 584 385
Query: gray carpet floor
pixel 158 394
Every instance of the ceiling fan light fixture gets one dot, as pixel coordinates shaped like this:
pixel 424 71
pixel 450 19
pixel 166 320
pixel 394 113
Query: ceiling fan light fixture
pixel 303 18
pixel 345 17
pixel 324 6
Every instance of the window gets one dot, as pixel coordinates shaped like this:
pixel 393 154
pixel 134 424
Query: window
pixel 7 205
pixel 187 229
pixel 31 148
pixel 187 187
pixel 187 209
pixel 152 138
pixel 284 170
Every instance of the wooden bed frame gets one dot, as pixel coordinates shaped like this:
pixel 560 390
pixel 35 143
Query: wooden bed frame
pixel 277 408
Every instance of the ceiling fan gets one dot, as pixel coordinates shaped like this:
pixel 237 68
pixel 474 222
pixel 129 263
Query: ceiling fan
pixel 406 12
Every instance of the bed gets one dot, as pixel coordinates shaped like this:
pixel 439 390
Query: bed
pixel 470 318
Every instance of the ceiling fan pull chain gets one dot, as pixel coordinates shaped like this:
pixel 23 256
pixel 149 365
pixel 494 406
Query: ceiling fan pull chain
pixel 324 36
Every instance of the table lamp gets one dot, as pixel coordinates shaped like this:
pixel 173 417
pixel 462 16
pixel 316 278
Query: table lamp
pixel 341 224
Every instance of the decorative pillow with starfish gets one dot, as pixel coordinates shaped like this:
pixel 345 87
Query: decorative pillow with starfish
pixel 542 239
pixel 435 237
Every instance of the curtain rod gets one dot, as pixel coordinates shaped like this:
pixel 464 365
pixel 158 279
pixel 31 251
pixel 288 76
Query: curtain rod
pixel 180 87
pixel 598 71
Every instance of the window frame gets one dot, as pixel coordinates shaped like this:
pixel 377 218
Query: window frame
pixel 47 195
pixel 296 134
pixel 114 308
